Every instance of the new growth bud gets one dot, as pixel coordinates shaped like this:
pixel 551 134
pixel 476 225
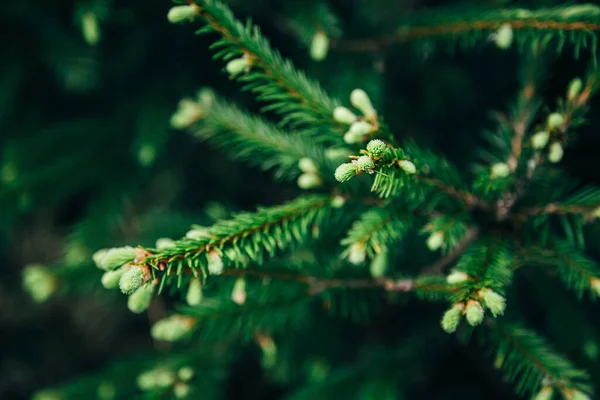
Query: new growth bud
pixel 237 66
pixel 435 241
pixel 188 112
pixel 90 28
pixel 140 300
pixel 574 88
pixel 455 277
pixel 309 181
pixel 407 166
pixel 198 233
pixel 185 373
pixel 113 258
pixel 38 282
pixel 365 163
pixel 110 279
pixel 555 120
pixel 181 390
pixel 556 152
pixel 504 36
pixel 215 263
pixel 500 170
pixel 493 301
pixel 159 378
pixel 345 172
pixel 344 116
pixel 238 294
pixel 194 293
pixel 338 202
pixel 376 147
pixel 540 140
pixel 131 279
pixel 357 254
pixel 307 165
pixel 379 264
pixel 319 46
pixel 357 132
pixel 452 317
pixel 474 313
pixel 172 329
pixel 360 100
pixel 180 14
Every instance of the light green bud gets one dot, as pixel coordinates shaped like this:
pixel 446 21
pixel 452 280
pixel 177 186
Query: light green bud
pixel 172 329
pixel 237 66
pixel 377 147
pixel 494 302
pixel 555 120
pixel 215 263
pixel 345 172
pixel 319 46
pixel 185 373
pixel 379 264
pixel 180 14
pixel 357 131
pixel 117 257
pixel 146 154
pixel 48 394
pixel 238 294
pixel 38 282
pixel 164 243
pixel 110 279
pixel 106 391
pixel 344 116
pixel 435 241
pixel 504 36
pixel 140 300
pixel 540 140
pixel 408 167
pixel 360 100
pixel 338 154
pixel 338 202
pixel 452 318
pixel 500 170
pixel 181 390
pixel 206 97
pixel 98 256
pixel 307 165
pixel 90 28
pixel 365 163
pixel 188 112
pixel 556 152
pixel 546 393
pixel 131 279
pixel 198 233
pixel 357 254
pixel 474 313
pixel 194 293
pixel 455 277
pixel 159 378
pixel 309 181
pixel 574 88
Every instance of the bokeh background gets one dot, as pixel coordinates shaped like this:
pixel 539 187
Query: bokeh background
pixel 88 160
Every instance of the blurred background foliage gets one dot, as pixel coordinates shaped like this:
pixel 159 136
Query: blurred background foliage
pixel 87 160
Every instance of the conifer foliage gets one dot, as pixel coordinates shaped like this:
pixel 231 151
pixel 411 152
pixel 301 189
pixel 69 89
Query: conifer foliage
pixel 381 225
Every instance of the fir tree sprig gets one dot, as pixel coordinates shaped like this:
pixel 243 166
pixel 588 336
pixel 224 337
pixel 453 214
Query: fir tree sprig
pixel 574 24
pixel 530 364
pixel 301 102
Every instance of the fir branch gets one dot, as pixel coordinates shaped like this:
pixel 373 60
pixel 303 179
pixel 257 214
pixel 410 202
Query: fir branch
pixel 246 237
pixel 578 272
pixel 574 23
pixel 529 362
pixel 254 140
pixel 301 102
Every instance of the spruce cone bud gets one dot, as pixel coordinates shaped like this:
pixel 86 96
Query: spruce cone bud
pixel 38 282
pixel 131 279
pixel 180 14
pixel 474 313
pixel 555 120
pixel 159 378
pixel 236 66
pixel 309 181
pixel 365 163
pixel 408 167
pixel 376 147
pixel 215 263
pixel 307 165
pixel 319 46
pixel 172 329
pixel 504 36
pixel 110 279
pixel 455 277
pixel 238 294
pixel 345 172
pixel 556 152
pixel 194 293
pixel 500 170
pixel 574 88
pixel 357 254
pixel 140 300
pixel 493 301
pixel 452 317
pixel 435 241
pixel 540 140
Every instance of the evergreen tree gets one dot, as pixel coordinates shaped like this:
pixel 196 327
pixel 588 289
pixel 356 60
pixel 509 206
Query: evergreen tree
pixel 406 230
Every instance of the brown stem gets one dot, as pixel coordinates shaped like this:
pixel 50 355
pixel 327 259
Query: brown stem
pixel 419 32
